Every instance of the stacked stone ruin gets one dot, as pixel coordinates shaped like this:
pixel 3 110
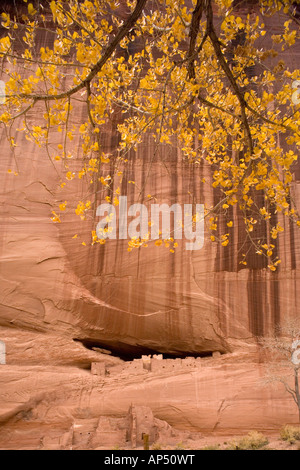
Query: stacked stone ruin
pixel 147 364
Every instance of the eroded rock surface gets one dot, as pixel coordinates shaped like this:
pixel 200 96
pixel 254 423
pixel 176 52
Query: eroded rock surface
pixel 148 301
pixel 58 403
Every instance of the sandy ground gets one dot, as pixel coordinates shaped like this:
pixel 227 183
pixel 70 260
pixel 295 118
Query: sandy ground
pixel 213 442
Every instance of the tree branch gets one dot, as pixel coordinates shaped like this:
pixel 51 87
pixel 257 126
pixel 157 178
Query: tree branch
pixel 223 63
pixel 110 49
pixel 194 30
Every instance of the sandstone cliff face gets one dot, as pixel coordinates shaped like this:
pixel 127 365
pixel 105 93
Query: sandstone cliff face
pixel 148 300
pixel 187 301
pixel 183 302
pixel 49 399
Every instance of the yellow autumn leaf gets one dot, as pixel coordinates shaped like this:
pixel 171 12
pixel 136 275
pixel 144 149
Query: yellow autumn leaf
pixel 31 9
pixel 55 217
pixel 62 206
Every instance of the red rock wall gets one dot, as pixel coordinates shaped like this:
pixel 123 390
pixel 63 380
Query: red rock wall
pixel 148 299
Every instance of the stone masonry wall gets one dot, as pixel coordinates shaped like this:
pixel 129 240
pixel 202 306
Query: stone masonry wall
pixel 146 364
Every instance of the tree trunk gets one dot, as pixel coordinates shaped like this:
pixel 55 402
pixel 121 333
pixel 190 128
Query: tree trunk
pixel 297 392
